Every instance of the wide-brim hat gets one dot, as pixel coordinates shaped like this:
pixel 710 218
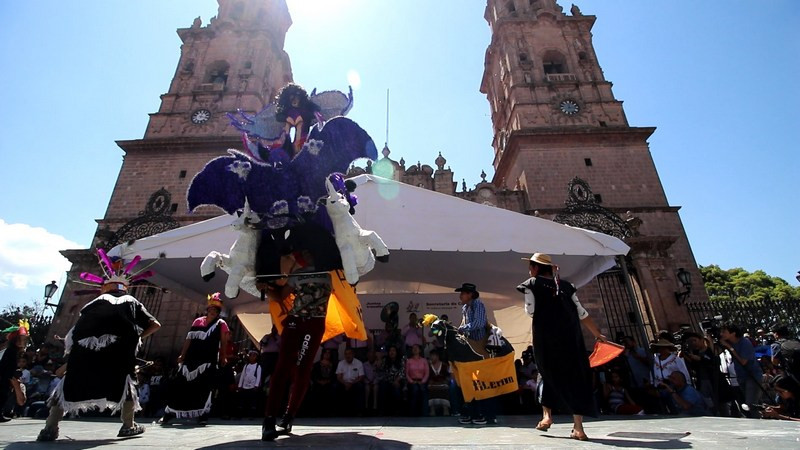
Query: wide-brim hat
pixel 468 287
pixel 540 258
pixel 662 343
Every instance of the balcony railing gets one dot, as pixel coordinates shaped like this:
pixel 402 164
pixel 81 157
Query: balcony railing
pixel 560 77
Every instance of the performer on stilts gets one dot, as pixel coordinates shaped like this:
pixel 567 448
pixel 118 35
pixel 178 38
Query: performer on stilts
pixel 101 351
pixel 308 257
pixel 189 394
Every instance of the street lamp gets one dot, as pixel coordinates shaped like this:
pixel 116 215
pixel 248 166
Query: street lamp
pixel 685 279
pixel 49 290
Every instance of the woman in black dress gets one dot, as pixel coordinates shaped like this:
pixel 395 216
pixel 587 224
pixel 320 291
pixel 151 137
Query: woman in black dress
pixel 558 345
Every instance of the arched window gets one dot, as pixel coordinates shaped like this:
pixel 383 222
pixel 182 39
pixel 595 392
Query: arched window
pixel 217 74
pixel 554 62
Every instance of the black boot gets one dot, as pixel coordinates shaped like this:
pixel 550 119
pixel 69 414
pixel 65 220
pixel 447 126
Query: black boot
pixel 286 424
pixel 268 432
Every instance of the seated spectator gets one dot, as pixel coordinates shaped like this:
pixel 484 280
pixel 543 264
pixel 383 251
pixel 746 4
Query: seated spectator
pixel 143 386
pixel 685 397
pixel 617 397
pixel 360 348
pixel 438 385
pixel 788 393
pixel 417 373
pixel 392 383
pixel 333 345
pixel 412 334
pixel 323 385
pixel 350 374
pixel 665 362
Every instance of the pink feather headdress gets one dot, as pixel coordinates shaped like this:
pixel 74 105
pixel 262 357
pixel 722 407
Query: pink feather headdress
pixel 115 274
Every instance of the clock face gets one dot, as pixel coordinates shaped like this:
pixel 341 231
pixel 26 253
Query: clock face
pixel 485 193
pixel 569 107
pixel 201 116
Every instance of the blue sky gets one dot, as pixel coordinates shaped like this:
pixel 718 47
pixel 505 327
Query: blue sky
pixel 718 80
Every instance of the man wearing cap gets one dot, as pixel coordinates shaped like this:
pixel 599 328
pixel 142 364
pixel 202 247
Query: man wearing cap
pixel 474 328
pixel 473 312
pixel 558 344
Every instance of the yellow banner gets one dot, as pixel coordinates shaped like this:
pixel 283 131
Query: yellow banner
pixel 486 378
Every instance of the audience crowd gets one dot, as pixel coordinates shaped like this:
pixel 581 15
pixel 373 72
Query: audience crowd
pixel 403 371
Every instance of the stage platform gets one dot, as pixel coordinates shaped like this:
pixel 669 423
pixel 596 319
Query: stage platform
pixel 425 433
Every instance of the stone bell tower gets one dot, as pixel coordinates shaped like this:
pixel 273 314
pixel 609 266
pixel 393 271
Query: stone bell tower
pixel 235 61
pixel 558 126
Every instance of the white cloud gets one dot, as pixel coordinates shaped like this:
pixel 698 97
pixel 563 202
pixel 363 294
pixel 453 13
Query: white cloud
pixel 29 256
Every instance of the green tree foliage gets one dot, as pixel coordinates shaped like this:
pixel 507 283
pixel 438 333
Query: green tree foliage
pixel 739 284
pixel 39 321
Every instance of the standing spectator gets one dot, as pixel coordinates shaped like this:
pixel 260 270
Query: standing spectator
pixel 639 362
pixel 735 394
pixel 748 371
pixel 9 372
pixel 350 374
pixel 323 388
pixel 704 365
pixel 249 386
pixel 269 346
pixel 688 400
pixel 412 334
pixel 786 351
pixel 438 385
pixel 417 373
pixel 558 344
pixel 392 383
pixel 191 391
pixel 390 337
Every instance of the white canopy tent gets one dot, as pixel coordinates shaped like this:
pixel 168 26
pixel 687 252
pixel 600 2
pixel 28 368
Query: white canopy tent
pixel 437 242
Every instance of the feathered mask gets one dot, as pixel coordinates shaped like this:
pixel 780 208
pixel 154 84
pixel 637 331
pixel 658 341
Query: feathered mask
pixel 116 275
pixel 18 330
pixel 215 301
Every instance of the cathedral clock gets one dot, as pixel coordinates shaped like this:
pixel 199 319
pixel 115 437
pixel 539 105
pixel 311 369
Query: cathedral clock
pixel 569 107
pixel 201 116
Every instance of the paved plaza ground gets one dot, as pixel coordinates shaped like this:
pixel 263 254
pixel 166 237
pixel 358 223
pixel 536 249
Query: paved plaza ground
pixel 434 432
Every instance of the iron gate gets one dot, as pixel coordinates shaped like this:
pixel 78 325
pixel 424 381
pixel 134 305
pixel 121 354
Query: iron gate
pixel 621 314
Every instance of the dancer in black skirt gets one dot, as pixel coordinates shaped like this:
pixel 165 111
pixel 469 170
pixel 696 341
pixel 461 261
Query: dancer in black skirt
pixel 558 344
pixel 189 393
pixel 101 349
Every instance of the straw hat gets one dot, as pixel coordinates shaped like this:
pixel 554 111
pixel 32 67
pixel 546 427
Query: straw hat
pixel 662 343
pixel 540 258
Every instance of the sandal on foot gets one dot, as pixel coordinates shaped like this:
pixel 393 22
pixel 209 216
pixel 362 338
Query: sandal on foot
pixel 543 426
pixel 136 429
pixel 578 436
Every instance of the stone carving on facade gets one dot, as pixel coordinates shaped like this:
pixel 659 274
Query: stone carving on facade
pixel 155 218
pixel 583 211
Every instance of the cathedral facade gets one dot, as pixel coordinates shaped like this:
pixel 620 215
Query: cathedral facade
pixel 563 150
